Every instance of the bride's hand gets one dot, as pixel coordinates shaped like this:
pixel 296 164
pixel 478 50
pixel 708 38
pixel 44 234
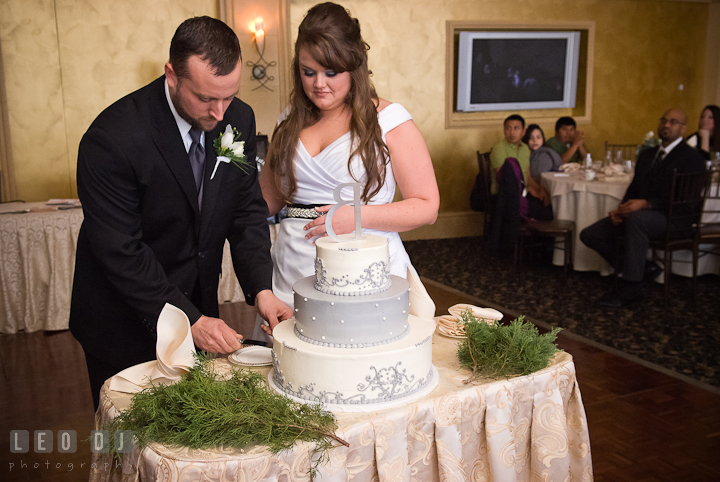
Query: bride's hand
pixel 343 221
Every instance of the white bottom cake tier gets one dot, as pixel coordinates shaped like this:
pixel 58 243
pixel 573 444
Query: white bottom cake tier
pixel 371 378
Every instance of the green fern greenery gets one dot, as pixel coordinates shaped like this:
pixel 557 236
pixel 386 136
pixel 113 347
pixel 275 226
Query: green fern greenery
pixel 202 411
pixel 502 351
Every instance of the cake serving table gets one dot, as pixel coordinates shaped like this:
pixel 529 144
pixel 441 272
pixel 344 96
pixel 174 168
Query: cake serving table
pixel 525 428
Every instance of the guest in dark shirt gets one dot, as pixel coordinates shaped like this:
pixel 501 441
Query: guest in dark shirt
pixel 568 141
pixel 707 138
pixel 642 214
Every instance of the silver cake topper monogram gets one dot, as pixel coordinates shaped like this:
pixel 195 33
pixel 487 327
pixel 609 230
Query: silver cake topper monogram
pixel 337 194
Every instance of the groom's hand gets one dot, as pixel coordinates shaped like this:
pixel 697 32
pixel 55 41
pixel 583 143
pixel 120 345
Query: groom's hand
pixel 271 309
pixel 214 336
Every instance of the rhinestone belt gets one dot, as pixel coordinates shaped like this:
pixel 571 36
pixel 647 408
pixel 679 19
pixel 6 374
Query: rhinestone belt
pixel 304 211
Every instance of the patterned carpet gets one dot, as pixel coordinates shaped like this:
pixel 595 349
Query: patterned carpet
pixel 679 336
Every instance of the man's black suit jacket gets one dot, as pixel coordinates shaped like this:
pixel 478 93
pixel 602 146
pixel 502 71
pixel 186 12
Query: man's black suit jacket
pixel 653 180
pixel 143 242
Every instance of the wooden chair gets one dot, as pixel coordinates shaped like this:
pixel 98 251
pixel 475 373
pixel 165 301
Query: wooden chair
pixel 628 150
pixel 687 197
pixel 707 231
pixel 555 228
pixel 482 188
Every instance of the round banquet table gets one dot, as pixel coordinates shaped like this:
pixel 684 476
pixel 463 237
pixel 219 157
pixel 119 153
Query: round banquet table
pixel 584 202
pixel 522 428
pixel 37 262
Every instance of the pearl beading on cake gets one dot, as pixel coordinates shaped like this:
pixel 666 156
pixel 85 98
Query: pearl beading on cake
pixel 304 338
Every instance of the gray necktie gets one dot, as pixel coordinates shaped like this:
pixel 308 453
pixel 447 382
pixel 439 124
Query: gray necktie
pixel 197 161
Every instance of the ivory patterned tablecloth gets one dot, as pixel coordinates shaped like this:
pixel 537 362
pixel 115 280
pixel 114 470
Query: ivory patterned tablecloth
pixel 530 428
pixel 37 263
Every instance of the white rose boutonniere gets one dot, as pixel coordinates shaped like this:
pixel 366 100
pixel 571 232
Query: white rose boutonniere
pixel 229 149
pixel 649 141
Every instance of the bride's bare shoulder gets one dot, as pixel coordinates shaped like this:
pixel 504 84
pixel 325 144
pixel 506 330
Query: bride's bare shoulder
pixel 382 103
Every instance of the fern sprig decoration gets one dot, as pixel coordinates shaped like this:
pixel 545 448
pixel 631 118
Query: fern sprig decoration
pixel 501 351
pixel 202 411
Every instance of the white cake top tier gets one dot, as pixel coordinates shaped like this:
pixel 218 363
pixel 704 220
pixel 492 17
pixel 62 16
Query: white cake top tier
pixel 354 267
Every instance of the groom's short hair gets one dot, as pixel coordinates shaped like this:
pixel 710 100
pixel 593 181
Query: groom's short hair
pixel 208 38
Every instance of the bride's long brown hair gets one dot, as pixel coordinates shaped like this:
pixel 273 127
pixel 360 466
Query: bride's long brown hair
pixel 332 37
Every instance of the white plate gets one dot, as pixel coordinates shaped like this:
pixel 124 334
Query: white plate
pixel 252 356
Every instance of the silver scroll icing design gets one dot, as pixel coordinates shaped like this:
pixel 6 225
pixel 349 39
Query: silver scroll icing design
pixel 391 383
pixel 374 279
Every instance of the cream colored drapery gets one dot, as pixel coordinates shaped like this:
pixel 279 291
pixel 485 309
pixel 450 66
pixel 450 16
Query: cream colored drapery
pixel 7 174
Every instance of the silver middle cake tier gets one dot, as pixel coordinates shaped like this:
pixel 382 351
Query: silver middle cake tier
pixel 351 321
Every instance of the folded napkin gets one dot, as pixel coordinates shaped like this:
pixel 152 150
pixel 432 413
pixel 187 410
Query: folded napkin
pixel 421 305
pixel 487 314
pixel 618 178
pixel 570 167
pixel 613 170
pixel 452 325
pixel 174 351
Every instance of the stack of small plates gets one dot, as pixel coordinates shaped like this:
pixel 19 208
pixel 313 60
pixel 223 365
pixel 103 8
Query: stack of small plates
pixel 452 326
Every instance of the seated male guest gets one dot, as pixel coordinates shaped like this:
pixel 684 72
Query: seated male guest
pixel 642 214
pixel 512 146
pixel 568 141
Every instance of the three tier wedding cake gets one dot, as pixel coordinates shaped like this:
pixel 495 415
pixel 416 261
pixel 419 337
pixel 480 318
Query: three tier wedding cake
pixel 352 339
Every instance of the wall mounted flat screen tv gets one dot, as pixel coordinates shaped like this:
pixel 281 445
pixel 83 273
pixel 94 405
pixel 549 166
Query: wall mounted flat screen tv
pixel 517 70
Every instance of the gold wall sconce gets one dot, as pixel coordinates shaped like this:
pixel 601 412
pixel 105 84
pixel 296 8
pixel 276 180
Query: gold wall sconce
pixel 259 68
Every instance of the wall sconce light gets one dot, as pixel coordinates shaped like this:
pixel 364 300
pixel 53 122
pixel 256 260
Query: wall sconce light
pixel 259 68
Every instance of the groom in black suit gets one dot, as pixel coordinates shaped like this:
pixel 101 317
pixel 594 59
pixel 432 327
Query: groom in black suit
pixel 156 222
pixel 642 214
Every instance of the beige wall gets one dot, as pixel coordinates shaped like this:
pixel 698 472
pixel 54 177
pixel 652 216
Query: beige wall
pixel 65 60
pixel 712 56
pixel 269 98
pixel 644 50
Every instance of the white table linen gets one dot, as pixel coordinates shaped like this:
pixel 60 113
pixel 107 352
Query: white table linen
pixel 584 202
pixel 37 262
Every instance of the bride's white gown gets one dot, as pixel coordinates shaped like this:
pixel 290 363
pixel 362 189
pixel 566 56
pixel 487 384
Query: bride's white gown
pixel 317 177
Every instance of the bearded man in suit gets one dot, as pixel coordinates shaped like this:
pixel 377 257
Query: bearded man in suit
pixel 642 214
pixel 156 218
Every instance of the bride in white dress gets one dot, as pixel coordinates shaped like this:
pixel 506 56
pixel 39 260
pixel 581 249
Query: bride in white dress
pixel 334 108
